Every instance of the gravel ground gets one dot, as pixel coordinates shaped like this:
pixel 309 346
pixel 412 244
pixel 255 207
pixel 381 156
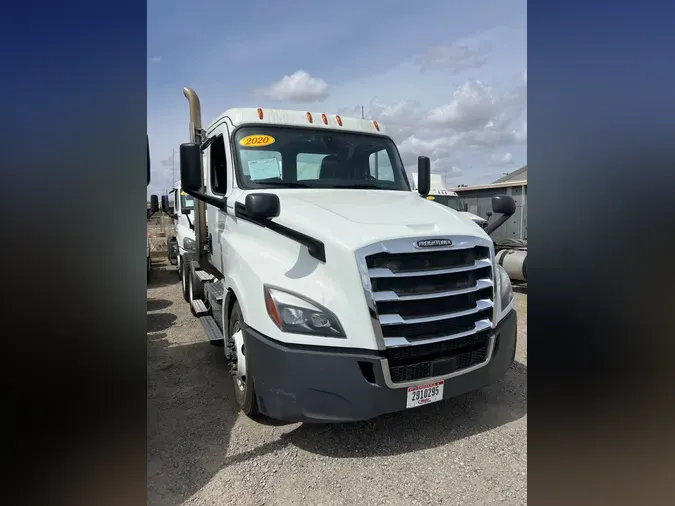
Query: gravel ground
pixel 201 451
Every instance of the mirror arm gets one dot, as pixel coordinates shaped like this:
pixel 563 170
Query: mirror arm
pixel 496 224
pixel 220 203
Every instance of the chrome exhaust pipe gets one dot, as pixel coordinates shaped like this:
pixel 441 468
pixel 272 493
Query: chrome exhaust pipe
pixel 196 134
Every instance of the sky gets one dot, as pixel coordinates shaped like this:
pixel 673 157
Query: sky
pixel 448 78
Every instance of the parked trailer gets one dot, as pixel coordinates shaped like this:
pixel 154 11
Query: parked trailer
pixel 340 295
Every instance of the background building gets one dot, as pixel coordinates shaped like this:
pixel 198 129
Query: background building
pixel 478 200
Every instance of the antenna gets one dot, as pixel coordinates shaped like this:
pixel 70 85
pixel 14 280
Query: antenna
pixel 362 115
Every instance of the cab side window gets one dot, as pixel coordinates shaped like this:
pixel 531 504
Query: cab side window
pixel 218 165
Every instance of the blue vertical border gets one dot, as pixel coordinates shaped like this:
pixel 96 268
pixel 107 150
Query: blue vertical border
pixel 73 88
pixel 601 156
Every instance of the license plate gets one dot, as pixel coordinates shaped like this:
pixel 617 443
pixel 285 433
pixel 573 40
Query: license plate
pixel 425 394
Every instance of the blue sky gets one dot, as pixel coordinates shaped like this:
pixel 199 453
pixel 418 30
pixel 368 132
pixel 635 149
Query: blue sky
pixel 449 78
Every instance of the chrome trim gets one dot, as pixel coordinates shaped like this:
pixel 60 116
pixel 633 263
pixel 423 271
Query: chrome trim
pixel 496 291
pixel 405 245
pixel 396 319
pixel 381 272
pixel 391 296
pixel 387 376
pixel 397 342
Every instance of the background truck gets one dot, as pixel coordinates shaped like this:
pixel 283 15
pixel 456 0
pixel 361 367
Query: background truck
pixel 154 207
pixel 184 240
pixel 339 295
pixel 441 195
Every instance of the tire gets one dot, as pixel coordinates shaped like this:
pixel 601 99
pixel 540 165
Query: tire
pixel 244 392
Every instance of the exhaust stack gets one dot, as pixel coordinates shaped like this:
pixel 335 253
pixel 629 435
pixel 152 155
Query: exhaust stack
pixel 197 136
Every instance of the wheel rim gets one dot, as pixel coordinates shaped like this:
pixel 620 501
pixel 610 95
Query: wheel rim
pixel 240 350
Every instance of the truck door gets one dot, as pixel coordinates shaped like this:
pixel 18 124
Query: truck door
pixel 218 184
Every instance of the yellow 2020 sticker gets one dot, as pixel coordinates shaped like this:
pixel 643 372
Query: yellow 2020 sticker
pixel 431 197
pixel 183 193
pixel 257 140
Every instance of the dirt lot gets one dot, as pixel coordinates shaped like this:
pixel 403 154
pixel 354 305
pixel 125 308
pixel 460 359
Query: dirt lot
pixel 469 450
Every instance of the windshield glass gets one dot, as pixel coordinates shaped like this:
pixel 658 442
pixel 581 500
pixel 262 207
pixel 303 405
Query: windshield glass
pixel 450 201
pixel 273 157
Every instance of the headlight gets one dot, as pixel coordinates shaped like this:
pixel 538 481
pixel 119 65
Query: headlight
pixel 297 315
pixel 188 244
pixel 505 288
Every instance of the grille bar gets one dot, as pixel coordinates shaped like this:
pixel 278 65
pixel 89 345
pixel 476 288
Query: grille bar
pixel 395 319
pixel 396 342
pixel 383 272
pixel 390 295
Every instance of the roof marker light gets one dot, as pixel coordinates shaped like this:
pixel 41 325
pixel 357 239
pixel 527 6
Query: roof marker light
pixel 377 127
pixel 324 119
pixel 339 120
pixel 309 117
pixel 260 113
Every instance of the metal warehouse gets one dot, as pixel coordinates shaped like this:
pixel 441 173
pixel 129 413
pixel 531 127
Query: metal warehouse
pixel 478 200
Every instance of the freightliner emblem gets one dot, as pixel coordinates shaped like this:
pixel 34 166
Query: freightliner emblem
pixel 433 243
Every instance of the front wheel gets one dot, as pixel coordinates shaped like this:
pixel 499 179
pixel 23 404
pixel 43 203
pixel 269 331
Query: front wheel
pixel 244 391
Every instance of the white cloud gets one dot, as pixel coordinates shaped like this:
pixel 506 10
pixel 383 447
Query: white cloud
pixel 298 87
pixel 477 126
pixel 472 107
pixel 502 159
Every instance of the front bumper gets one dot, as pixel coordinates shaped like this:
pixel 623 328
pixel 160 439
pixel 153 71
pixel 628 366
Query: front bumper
pixel 318 384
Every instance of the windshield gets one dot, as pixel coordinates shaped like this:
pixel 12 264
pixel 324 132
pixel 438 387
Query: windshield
pixel 273 157
pixel 450 201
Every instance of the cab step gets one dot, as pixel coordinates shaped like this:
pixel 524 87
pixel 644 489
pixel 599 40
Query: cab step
pixel 211 329
pixel 199 308
pixel 204 276
pixel 215 291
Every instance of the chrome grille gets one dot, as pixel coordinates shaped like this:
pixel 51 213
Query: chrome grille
pixel 423 297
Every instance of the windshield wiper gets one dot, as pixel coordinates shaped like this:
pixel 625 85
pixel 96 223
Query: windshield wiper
pixel 288 184
pixel 360 186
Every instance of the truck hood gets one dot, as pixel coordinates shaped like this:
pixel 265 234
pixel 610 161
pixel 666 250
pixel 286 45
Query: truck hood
pixel 474 217
pixel 356 218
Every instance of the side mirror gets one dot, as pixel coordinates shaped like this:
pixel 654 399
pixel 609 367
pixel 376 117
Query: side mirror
pixel 503 204
pixel 165 204
pixel 262 206
pixel 423 175
pixel 154 204
pixel 185 210
pixel 191 166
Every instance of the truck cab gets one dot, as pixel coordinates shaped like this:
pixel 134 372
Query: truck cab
pixel 154 207
pixel 338 292
pixel 184 240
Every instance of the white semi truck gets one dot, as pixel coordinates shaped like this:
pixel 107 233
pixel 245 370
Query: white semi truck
pixel 154 207
pixel 184 240
pixel 339 295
